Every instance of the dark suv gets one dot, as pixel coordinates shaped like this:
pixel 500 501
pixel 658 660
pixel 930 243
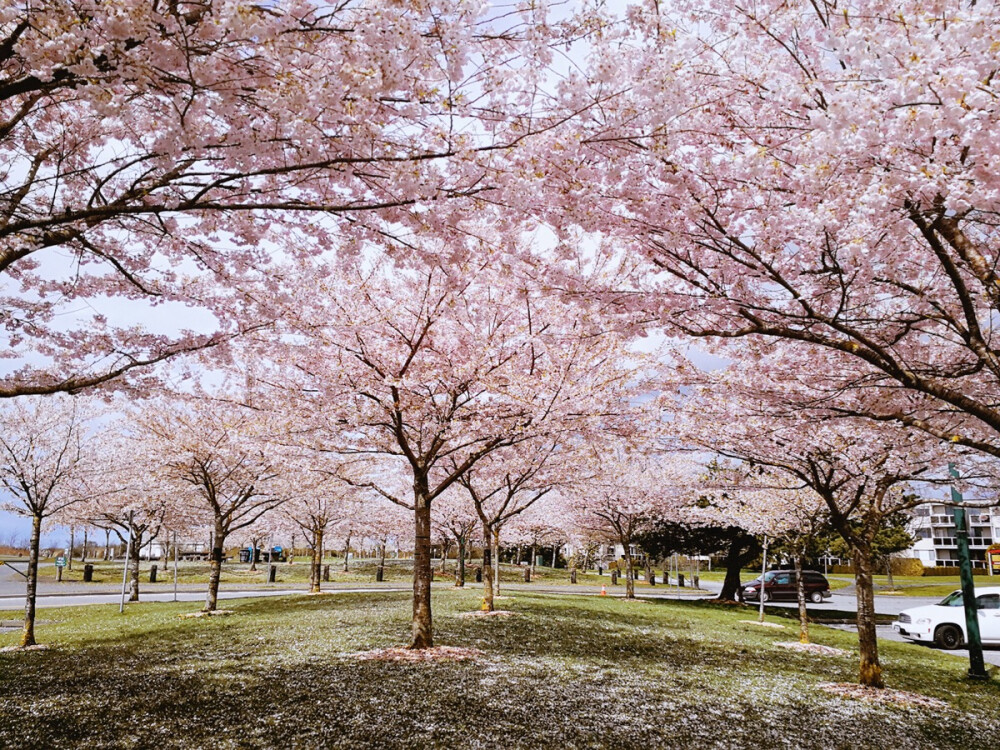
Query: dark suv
pixel 781 584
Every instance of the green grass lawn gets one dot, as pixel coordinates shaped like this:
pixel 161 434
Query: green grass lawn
pixel 564 672
pixel 361 571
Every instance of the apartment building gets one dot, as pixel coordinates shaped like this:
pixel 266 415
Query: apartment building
pixel 933 525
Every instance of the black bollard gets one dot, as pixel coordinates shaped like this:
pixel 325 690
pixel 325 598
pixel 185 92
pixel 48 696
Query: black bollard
pixel 152 573
pixel 88 573
pixel 479 575
pixel 652 578
pixel 680 580
pixel 326 572
pixel 600 570
pixel 695 580
pixel 572 576
pixel 614 577
pixel 379 574
pixel 527 574
pixel 272 571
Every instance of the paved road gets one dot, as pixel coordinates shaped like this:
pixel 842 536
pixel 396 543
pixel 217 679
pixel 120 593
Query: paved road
pixel 991 654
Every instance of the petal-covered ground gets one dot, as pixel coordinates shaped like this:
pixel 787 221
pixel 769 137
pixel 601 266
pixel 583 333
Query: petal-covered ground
pixel 567 672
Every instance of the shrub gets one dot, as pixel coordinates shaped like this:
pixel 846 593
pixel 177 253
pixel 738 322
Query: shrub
pixel 907 566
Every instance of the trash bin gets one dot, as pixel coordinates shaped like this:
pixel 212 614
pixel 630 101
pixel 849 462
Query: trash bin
pixel 88 573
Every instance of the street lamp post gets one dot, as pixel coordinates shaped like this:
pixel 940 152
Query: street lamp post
pixel 977 667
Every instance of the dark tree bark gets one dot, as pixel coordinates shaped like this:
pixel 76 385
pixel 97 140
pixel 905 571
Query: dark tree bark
pixel 629 573
pixel 347 552
pixel 215 572
pixel 28 635
pixel 487 572
pixel 423 635
pixel 133 565
pixel 800 591
pixel 460 569
pixel 735 558
pixel 316 570
pixel 870 670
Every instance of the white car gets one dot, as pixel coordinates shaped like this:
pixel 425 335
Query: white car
pixel 944 623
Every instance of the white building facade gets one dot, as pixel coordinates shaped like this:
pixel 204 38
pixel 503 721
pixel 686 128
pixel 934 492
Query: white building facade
pixel 933 525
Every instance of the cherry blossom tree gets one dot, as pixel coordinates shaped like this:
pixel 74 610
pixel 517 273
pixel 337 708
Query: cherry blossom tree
pixel 44 453
pixel 216 455
pixel 150 145
pixel 455 517
pixel 437 367
pixel 622 495
pixel 822 173
pixel 508 483
pixel 861 469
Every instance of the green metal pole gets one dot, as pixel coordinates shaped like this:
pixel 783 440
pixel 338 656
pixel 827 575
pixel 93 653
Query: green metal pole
pixel 977 667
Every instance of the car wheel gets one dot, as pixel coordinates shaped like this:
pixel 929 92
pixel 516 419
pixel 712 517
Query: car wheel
pixel 767 596
pixel 948 636
pixel 816 597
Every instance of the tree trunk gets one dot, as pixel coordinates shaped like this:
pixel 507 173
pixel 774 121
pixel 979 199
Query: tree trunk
pixel 83 555
pixel 629 574
pixel 69 557
pixel 888 573
pixel 487 573
pixel 215 572
pixel 870 671
pixel 460 568
pixel 531 562
pixel 133 564
pixel 800 590
pixel 347 553
pixel 496 563
pixel 445 547
pixel 253 555
pixel 107 544
pixel 28 636
pixel 423 634
pixel 316 574
pixel 555 555
pixel 734 564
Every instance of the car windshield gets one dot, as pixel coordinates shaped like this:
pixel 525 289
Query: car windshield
pixel 769 575
pixel 954 599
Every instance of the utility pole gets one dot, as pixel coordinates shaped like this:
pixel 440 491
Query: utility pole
pixel 977 667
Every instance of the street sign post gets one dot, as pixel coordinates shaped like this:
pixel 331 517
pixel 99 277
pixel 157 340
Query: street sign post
pixel 60 562
pixel 977 666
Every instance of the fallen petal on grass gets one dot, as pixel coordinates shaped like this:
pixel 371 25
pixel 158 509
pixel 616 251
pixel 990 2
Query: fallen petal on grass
pixel 764 624
pixel 36 647
pixel 882 696
pixel 202 613
pixel 494 613
pixel 419 655
pixel 812 648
